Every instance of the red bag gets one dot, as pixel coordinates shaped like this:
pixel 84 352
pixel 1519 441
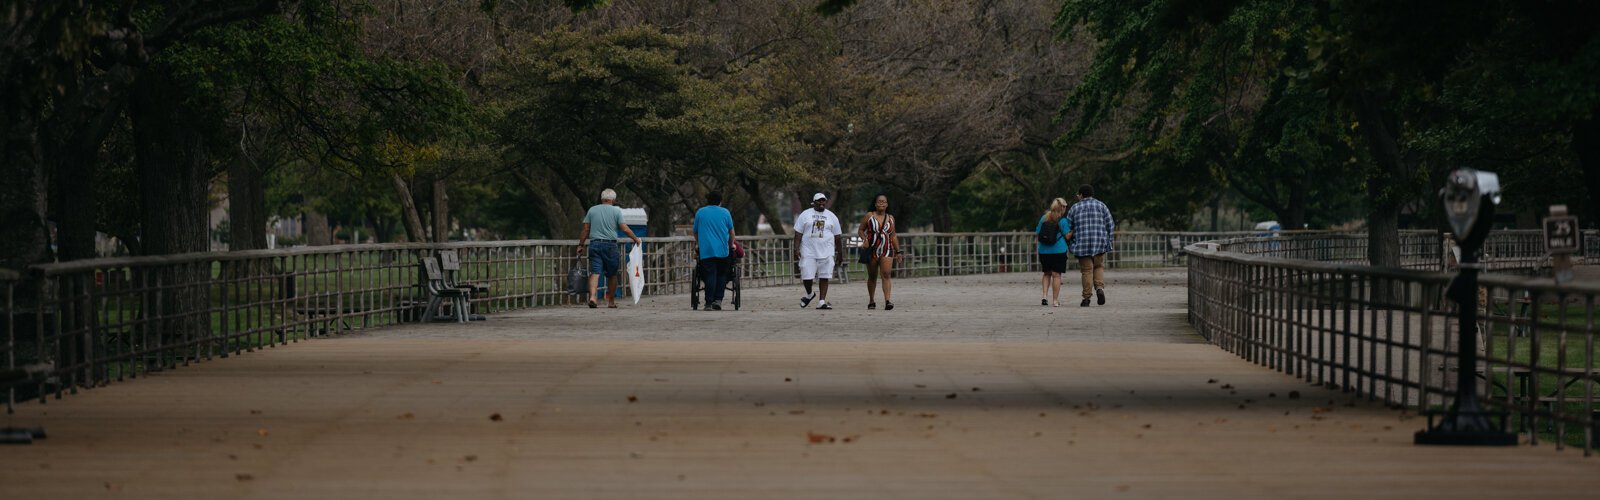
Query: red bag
pixel 736 250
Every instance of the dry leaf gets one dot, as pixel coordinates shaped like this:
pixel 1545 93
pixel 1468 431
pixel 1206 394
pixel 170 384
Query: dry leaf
pixel 243 477
pixel 261 432
pixel 950 396
pixel 406 416
pixel 633 398
pixel 496 417
pixel 815 438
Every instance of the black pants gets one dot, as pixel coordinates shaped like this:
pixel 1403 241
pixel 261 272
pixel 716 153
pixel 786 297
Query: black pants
pixel 715 272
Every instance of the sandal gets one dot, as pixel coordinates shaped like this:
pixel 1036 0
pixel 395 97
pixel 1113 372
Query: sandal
pixel 1042 302
pixel 611 306
pixel 888 306
pixel 872 305
pixel 593 304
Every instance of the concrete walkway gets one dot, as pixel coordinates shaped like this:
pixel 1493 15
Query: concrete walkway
pixel 968 389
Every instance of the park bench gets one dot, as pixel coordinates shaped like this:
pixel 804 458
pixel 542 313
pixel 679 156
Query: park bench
pixel 450 263
pixel 439 292
pixel 38 373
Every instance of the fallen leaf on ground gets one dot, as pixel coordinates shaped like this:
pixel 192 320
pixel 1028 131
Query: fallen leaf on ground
pixel 975 389
pixel 950 396
pixel 243 477
pixel 815 438
pixel 632 398
pixel 406 416
pixel 262 432
pixel 496 417
pixel 470 458
pixel 1211 381
pixel 922 386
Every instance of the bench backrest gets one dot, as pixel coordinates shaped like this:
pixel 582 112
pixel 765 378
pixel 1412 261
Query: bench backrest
pixel 431 268
pixel 449 260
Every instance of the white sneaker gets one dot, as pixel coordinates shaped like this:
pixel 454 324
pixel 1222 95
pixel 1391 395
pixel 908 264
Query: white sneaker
pixel 806 300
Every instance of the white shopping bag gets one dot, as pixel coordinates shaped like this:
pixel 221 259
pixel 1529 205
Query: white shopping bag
pixel 636 272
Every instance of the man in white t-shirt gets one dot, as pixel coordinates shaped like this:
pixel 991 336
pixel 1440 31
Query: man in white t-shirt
pixel 814 248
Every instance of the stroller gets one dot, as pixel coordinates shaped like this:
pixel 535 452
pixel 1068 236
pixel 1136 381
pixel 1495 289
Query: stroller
pixel 698 284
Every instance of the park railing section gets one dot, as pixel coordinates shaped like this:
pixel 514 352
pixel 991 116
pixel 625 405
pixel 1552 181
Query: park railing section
pixel 93 322
pixel 1311 306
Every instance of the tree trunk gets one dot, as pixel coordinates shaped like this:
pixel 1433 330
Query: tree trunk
pixel 1383 222
pixel 408 209
pixel 1586 140
pixel 247 207
pixel 380 227
pixel 441 212
pixel 764 205
pixel 939 207
pixel 564 220
pixel 1295 218
pixel 24 237
pixel 76 159
pixel 317 231
pixel 173 169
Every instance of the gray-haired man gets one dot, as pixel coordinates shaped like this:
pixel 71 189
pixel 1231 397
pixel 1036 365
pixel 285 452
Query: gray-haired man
pixel 600 228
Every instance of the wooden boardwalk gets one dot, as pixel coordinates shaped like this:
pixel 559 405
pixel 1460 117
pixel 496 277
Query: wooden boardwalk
pixel 969 389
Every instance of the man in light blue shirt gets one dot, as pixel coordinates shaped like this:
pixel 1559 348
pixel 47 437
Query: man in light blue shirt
pixel 600 228
pixel 713 233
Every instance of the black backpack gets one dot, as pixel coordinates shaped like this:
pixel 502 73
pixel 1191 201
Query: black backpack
pixel 1049 232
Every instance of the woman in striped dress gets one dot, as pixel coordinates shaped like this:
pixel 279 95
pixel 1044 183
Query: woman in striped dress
pixel 879 239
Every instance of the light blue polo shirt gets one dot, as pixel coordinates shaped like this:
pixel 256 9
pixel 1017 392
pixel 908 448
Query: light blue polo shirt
pixel 603 220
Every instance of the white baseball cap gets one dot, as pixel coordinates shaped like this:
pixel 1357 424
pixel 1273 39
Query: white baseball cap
pixel 819 196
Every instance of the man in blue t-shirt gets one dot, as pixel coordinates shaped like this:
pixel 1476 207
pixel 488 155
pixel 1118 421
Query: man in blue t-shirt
pixel 713 234
pixel 600 228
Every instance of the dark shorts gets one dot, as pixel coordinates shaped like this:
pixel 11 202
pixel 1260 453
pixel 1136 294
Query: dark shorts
pixel 1053 262
pixel 603 258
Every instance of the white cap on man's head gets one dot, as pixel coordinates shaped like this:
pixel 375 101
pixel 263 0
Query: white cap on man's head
pixel 819 196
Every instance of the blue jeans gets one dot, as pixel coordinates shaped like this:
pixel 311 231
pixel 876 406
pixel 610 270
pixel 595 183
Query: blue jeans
pixel 716 273
pixel 604 260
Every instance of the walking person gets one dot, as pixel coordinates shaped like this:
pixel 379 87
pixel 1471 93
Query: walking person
pixel 600 227
pixel 1094 233
pixel 1053 230
pixel 713 235
pixel 882 246
pixel 815 250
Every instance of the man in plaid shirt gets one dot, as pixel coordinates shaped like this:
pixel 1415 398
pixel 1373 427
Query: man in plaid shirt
pixel 1093 232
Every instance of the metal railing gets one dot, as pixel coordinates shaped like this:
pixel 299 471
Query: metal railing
pixel 8 321
pixel 99 321
pixel 105 320
pixel 1310 306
